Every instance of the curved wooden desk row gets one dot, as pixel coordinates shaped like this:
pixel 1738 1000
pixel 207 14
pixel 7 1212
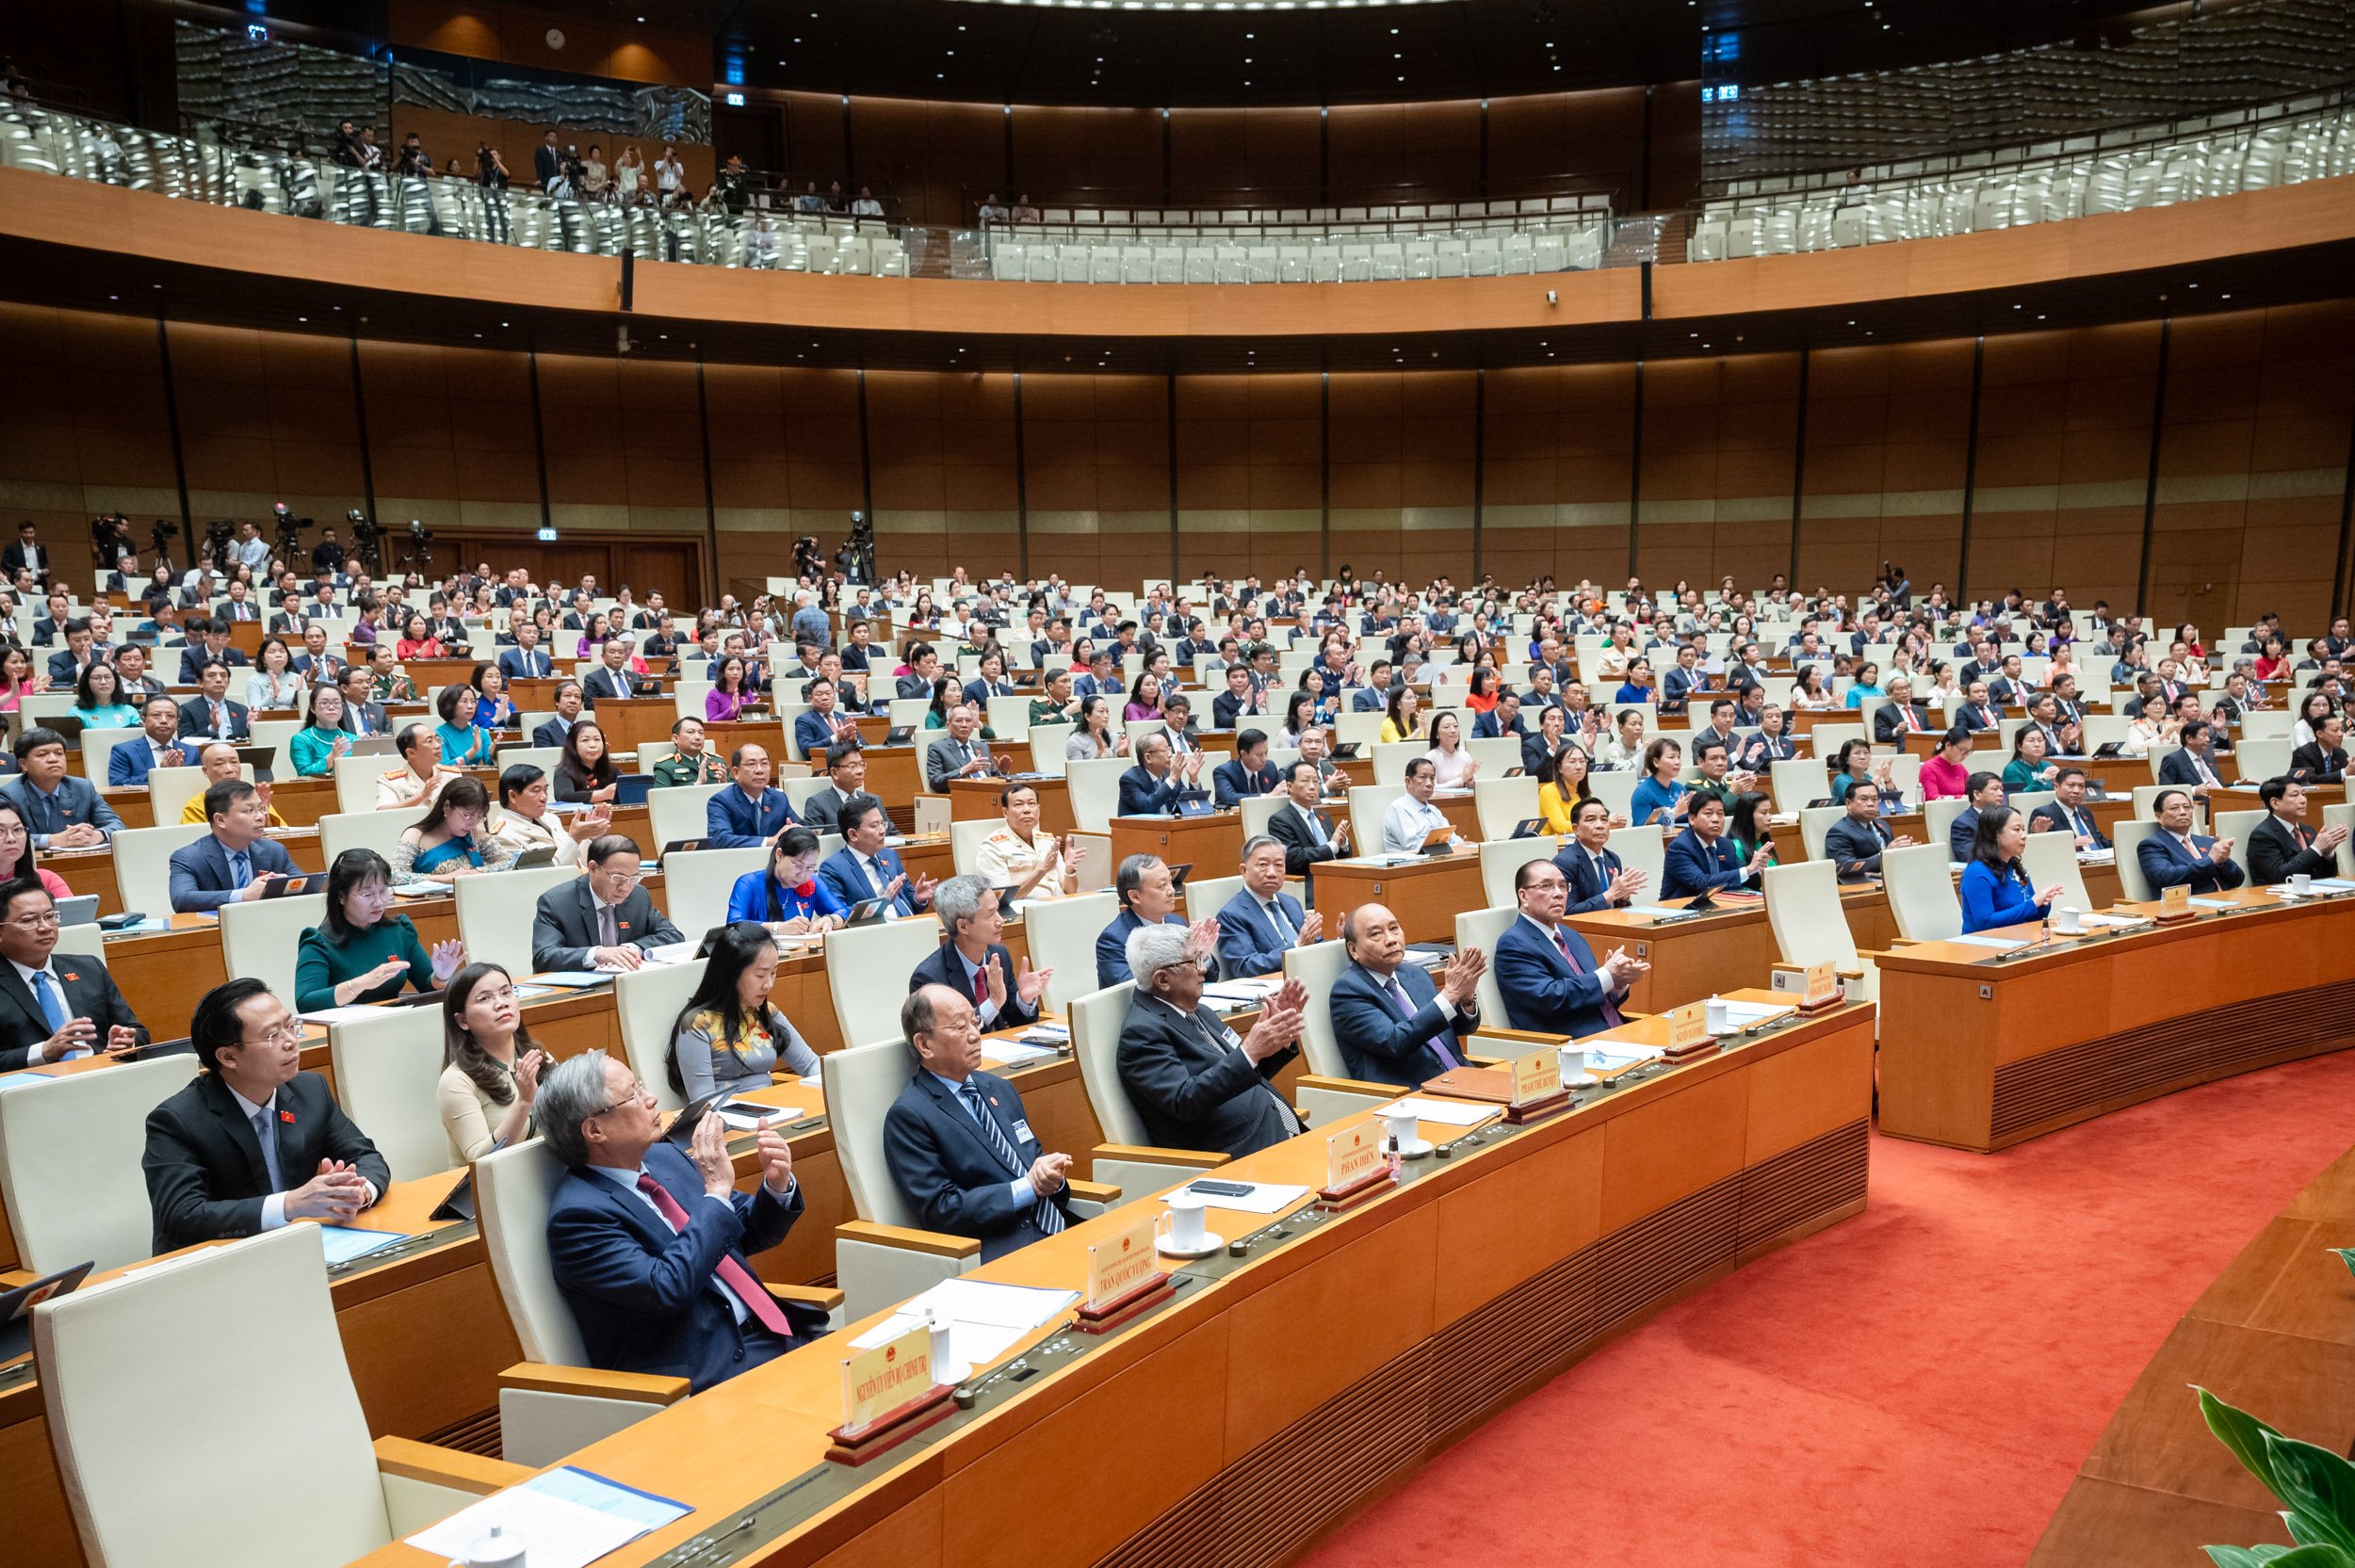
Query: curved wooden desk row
pixel 1277 1394
pixel 2275 1336
pixel 1981 1053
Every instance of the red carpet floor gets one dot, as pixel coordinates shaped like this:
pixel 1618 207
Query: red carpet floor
pixel 1916 1386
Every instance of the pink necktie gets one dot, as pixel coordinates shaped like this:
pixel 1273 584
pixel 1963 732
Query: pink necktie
pixel 1610 1013
pixel 732 1274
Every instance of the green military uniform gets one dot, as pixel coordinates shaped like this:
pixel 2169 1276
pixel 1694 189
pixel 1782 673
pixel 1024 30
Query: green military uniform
pixel 676 770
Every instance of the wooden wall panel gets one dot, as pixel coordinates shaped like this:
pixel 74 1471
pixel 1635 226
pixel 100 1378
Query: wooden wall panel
pixel 265 417
pixel 1250 485
pixel 450 441
pixel 1533 143
pixel 1433 147
pixel 785 461
pixel 520 35
pixel 98 439
pixel 1066 155
pixel 1402 472
pixel 941 159
pixel 1559 455
pixel 1716 471
pixel 941 449
pixel 813 137
pixel 1095 462
pixel 1888 432
pixel 1222 157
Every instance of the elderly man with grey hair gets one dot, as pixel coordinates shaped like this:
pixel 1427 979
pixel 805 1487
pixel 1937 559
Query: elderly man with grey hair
pixel 957 1142
pixel 648 1244
pixel 1194 1083
pixel 974 963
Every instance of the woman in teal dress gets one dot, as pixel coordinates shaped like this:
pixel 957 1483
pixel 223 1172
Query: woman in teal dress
pixel 362 952
pixel 462 744
pixel 2028 769
pixel 450 841
pixel 315 747
pixel 98 700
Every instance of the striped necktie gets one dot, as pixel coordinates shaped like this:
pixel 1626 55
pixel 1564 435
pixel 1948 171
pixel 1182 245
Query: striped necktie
pixel 1043 1214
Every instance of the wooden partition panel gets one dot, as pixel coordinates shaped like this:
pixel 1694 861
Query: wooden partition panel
pixel 1888 436
pixel 942 452
pixel 450 436
pixel 522 34
pixel 1598 134
pixel 1717 468
pixel 1250 481
pixel 785 461
pixel 1558 453
pixel 98 437
pixel 1096 470
pixel 265 417
pixel 1402 473
pixel 1217 154
pixel 1066 152
pixel 1435 145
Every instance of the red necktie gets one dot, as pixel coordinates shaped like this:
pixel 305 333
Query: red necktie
pixel 1610 1014
pixel 981 984
pixel 732 1274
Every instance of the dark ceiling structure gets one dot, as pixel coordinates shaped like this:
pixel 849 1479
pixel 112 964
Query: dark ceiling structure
pixel 1016 52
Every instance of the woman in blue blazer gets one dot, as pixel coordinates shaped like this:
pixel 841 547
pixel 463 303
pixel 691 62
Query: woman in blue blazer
pixel 1995 887
pixel 789 894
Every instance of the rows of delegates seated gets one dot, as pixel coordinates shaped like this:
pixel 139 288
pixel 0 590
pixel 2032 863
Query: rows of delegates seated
pixel 651 1242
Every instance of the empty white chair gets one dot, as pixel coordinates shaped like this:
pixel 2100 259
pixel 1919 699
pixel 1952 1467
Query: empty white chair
pixel 120 1391
pixel 387 1066
pixel 1501 860
pixel 1062 935
pixel 867 969
pixel 678 812
pixel 1922 893
pixel 143 864
pixel 647 1002
pixel 258 939
pixel 1809 923
pixel 697 882
pixel 2050 858
pixel 364 830
pixel 70 1150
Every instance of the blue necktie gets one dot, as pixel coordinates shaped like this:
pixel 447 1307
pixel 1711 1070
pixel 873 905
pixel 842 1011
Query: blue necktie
pixel 240 869
pixel 267 1135
pixel 52 1004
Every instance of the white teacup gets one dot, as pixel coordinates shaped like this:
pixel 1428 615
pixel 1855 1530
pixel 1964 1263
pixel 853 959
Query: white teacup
pixel 2068 920
pixel 495 1550
pixel 1719 1015
pixel 1400 1126
pixel 2301 882
pixel 1187 1227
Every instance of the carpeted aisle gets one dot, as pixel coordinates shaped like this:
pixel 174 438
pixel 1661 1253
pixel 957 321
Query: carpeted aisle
pixel 1917 1385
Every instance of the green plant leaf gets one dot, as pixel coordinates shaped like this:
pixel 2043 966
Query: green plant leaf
pixel 2244 1434
pixel 2310 1557
pixel 2245 1557
pixel 2319 1487
pixel 2346 1255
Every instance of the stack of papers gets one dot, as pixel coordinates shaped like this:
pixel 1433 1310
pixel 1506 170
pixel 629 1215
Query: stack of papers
pixel 342 1015
pixel 343 1244
pixel 2001 944
pixel 672 952
pixel 575 979
pixel 1448 1113
pixel 2331 885
pixel 141 926
pixel 985 1320
pixel 423 890
pixel 566 1518
pixel 1745 1014
pixel 744 1116
pixel 2097 921
pixel 1018 1052
pixel 2215 903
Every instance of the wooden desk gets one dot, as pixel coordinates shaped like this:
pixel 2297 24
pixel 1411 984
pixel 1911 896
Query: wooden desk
pixel 425 1335
pixel 975 800
pixel 1426 895
pixel 1693 960
pixel 2271 1335
pixel 629 722
pixel 1373 1338
pixel 1980 1054
pixel 1212 844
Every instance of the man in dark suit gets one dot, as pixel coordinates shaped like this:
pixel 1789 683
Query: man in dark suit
pixel 2281 846
pixel 1900 716
pixel 1263 922
pixel 1976 712
pixel 1985 792
pixel 1250 773
pixel 602 920
pixel 959 754
pixel 54 1005
pixel 974 962
pixel 2176 854
pixel 1854 844
pixel 1394 1024
pixel 750 813
pixel 362 715
pixel 1150 788
pixel 612 678
pixel 649 1245
pixel 1597 878
pixel 79 653
pixel 1310 837
pixel 1149 897
pixel 823 723
pixel 526 660
pixel 1547 973
pixel 27 554
pixel 547 162
pixel 1501 723
pixel 864 867
pixel 2194 767
pixel 2066 813
pixel 846 776
pixel 157 746
pixel 1194 1084
pixel 1701 859
pixel 318 663
pixel 2323 759
pixel 568 706
pixel 1239 700
pixel 957 1143
pixel 211 714
pixel 232 863
pixel 61 812
pixel 253 1142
